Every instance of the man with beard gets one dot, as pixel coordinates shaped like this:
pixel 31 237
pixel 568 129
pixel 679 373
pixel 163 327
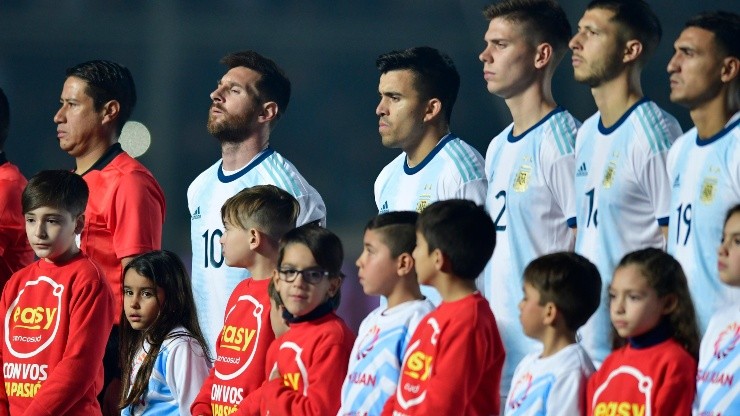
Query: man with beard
pixel 246 104
pixel 622 188
pixel 704 163
pixel 126 208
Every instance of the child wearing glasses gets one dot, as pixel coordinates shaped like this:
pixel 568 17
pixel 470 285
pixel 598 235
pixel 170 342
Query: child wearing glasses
pixel 254 221
pixel 305 377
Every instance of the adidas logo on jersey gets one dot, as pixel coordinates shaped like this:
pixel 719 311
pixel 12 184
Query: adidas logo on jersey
pixel 582 171
pixel 384 208
pixel 677 181
pixel 196 214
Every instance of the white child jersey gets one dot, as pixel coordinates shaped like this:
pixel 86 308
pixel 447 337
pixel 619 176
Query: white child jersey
pixel 622 198
pixel 453 169
pixel 212 280
pixel 717 384
pixel 706 183
pixel 531 200
pixel 555 385
pixel 375 364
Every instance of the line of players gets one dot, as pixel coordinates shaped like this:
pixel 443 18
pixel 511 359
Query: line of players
pixel 613 176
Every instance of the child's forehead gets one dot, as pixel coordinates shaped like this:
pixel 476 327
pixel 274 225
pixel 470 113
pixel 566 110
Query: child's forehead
pixel 49 211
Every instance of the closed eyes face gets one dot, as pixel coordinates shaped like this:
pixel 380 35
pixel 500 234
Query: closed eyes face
pixel 142 300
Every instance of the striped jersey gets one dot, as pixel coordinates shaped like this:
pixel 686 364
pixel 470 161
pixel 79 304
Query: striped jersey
pixel 531 200
pixel 705 175
pixel 453 169
pixel 213 281
pixel 622 197
pixel 375 363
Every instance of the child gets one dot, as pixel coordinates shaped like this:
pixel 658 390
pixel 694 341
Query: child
pixel 453 363
pixel 254 221
pixel 655 372
pixel 386 268
pixel 57 311
pixel 717 390
pixel 561 291
pixel 309 365
pixel 164 356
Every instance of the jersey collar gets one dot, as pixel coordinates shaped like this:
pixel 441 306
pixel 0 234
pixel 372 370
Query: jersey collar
pixel 107 157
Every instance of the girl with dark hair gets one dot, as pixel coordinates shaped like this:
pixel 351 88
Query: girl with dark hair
pixel 656 338
pixel 164 356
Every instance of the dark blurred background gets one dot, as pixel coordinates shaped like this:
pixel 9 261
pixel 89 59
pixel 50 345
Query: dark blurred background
pixel 327 48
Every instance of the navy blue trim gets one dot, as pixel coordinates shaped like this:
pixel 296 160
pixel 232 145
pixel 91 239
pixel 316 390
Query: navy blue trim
pixel 442 142
pixel 320 311
pixel 107 157
pixel 605 130
pixel 719 135
pixel 655 336
pixel 226 179
pixel 572 222
pixel 663 222
pixel 3 158
pixel 514 139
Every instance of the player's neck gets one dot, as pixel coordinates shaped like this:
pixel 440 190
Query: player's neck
pixel 421 149
pixel 711 117
pixel 263 267
pixel 93 153
pixel 531 106
pixel 237 155
pixel 614 97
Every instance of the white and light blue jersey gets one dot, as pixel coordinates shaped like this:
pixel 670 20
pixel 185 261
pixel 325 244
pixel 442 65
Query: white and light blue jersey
pixel 375 364
pixel 531 199
pixel 552 386
pixel 212 280
pixel 453 169
pixel 705 175
pixel 717 378
pixel 622 198
pixel 177 376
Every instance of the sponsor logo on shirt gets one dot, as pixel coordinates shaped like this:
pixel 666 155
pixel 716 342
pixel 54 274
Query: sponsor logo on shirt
pixel 196 215
pixel 582 170
pixel 32 320
pixel 296 380
pixel 239 337
pixel 384 208
pixel 417 367
pixel 368 342
pixel 632 384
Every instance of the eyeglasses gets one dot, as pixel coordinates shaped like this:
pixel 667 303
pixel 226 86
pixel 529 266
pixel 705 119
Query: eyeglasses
pixel 311 276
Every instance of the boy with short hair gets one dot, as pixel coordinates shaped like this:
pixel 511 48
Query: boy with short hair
pixel 453 363
pixel 58 310
pixel 254 221
pixel 386 268
pixel 561 291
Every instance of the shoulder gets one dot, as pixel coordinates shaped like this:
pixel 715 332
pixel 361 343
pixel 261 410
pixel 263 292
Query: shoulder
pixel 209 175
pixel 395 165
pixel 463 159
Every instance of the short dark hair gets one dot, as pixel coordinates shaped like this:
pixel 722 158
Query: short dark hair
pixel 462 231
pixel 273 85
pixel 107 81
pixel 543 21
pixel 325 247
pixel 724 25
pixel 59 189
pixel 435 75
pixel 4 118
pixel 568 280
pixel 266 207
pixel 638 20
pixel 397 229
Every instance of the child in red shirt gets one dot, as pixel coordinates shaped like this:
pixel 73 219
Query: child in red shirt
pixel 58 310
pixel 306 375
pixel 453 362
pixel 254 221
pixel 654 371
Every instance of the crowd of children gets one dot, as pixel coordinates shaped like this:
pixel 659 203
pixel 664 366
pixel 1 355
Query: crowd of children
pixel 284 351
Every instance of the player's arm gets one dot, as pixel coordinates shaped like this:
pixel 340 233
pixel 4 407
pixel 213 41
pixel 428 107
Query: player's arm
pixel 560 178
pixel 676 394
pixel 4 406
pixel 568 394
pixel 90 314
pixel 186 368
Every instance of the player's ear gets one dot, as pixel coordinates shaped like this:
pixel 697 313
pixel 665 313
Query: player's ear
pixel 730 69
pixel 255 238
pixel 632 51
pixel 433 109
pixel 543 55
pixel 110 111
pixel 79 223
pixel 550 313
pixel 670 303
pixel 269 112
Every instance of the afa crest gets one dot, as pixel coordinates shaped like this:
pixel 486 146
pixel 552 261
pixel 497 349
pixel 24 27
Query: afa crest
pixel 521 182
pixel 609 175
pixel 421 205
pixel 708 190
